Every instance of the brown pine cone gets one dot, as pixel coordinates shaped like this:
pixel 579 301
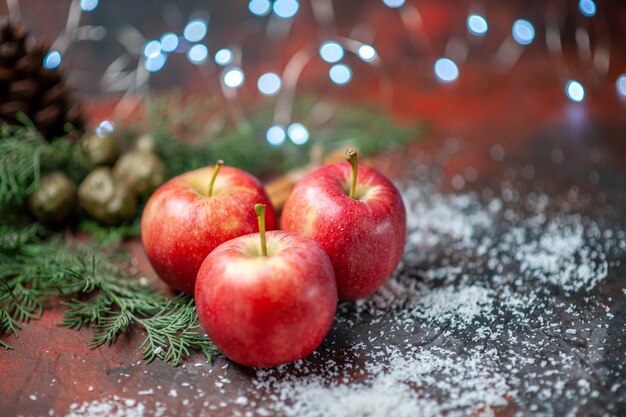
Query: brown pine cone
pixel 28 87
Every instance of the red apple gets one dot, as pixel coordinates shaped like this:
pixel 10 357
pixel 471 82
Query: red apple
pixel 190 215
pixel 266 303
pixel 358 217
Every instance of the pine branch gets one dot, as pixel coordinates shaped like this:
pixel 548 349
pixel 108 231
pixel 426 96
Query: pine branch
pixel 102 295
pixel 105 235
pixel 22 292
pixel 173 331
pixel 9 323
pixel 24 155
pixel 110 325
pixel 80 313
pixel 21 298
pixel 12 237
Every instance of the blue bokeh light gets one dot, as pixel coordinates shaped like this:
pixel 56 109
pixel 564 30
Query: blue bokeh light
pixel 367 53
pixel 394 4
pixel 575 91
pixel 340 74
pixel 523 32
pixel 195 30
pixel 152 49
pixel 169 42
pixel 52 60
pixel 259 7
pixel 587 7
pixel 224 56
pixel 88 5
pixel 276 135
pixel 285 8
pixel 197 54
pixel 269 84
pixel 331 52
pixel 446 70
pixel 104 128
pixel 234 77
pixel 620 84
pixel 298 133
pixel 155 63
pixel 477 24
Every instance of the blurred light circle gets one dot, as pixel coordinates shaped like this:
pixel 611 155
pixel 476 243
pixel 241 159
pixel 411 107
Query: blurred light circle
pixel 195 30
pixel 331 52
pixel 152 49
pixel 523 32
pixel 286 8
pixel 298 133
pixel 52 60
pixel 497 152
pixel 105 127
pixel 276 135
pixel 224 56
pixel 169 42
pixel 621 85
pixel 269 84
pixel 477 24
pixel 394 3
pixel 233 78
pixel 340 74
pixel 575 91
pixel 88 5
pixel 367 53
pixel 587 7
pixel 446 70
pixel 156 62
pixel 197 54
pixel 259 7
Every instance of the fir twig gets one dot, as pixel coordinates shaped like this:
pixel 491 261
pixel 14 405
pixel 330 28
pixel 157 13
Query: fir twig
pixel 173 331
pixel 101 295
pixel 12 237
pixel 105 235
pixel 24 155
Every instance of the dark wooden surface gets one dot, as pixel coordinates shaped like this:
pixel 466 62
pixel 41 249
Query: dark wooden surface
pixel 53 372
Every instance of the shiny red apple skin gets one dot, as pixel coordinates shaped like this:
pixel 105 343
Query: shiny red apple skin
pixel 263 311
pixel 181 225
pixel 364 237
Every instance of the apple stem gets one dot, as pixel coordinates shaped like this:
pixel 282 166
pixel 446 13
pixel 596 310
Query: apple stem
pixel 260 214
pixel 353 158
pixel 216 169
